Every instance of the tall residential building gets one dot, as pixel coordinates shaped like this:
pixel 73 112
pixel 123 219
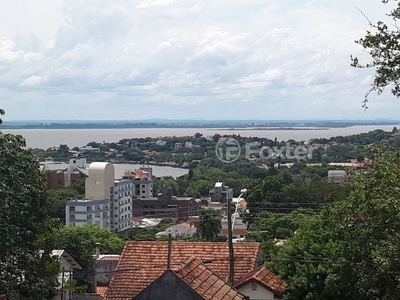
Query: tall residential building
pixel 108 202
pixel 143 181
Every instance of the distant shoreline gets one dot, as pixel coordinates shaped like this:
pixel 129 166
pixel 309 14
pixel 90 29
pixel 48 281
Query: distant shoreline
pixel 213 127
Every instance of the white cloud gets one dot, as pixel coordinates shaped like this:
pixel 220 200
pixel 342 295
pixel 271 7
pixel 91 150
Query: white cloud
pixel 174 58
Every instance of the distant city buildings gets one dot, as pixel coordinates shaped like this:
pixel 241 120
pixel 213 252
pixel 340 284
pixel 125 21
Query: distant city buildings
pixel 62 175
pixel 166 205
pixel 108 202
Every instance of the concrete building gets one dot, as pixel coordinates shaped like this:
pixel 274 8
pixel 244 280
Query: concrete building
pixel 107 203
pixel 220 192
pixel 166 205
pixel 121 205
pixel 62 175
pixel 142 180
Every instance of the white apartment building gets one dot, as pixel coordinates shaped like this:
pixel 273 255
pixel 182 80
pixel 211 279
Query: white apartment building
pixel 108 202
pixel 86 212
pixel 142 180
pixel 121 205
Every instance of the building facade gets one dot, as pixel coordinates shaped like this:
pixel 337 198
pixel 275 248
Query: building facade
pixel 166 205
pixel 108 202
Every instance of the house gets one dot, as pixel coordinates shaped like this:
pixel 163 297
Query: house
pixel 68 265
pixel 105 268
pixel 178 145
pixel 88 149
pixel 161 143
pixel 338 176
pixel 191 281
pixel 142 262
pixel 178 230
pixel 261 284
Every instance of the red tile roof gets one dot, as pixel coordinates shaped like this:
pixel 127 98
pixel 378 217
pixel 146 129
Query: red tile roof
pixel 142 262
pixel 101 290
pixel 206 283
pixel 266 278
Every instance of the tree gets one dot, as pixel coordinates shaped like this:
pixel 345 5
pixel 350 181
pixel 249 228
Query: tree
pixel 27 270
pixel 80 243
pixel 382 43
pixel 208 225
pixel 2 112
pixel 351 249
pixel 367 232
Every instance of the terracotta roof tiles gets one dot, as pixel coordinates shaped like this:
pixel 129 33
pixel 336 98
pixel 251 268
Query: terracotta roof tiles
pixel 142 262
pixel 206 283
pixel 101 290
pixel 266 278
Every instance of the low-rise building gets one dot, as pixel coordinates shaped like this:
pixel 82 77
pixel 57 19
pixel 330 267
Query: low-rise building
pixel 178 230
pixel 61 175
pixel 166 205
pixel 338 176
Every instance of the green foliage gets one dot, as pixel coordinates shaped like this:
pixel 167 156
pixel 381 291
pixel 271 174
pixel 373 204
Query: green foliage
pixel 349 250
pixel 2 112
pixel 382 43
pixel 80 243
pixel 27 270
pixel 366 231
pixel 208 225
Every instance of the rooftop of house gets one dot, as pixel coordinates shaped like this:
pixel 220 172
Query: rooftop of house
pixel 66 256
pixel 142 262
pixel 109 257
pixel 101 290
pixel 206 283
pixel 135 174
pixel 266 278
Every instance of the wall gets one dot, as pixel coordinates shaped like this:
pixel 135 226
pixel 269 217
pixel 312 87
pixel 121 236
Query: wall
pixel 260 294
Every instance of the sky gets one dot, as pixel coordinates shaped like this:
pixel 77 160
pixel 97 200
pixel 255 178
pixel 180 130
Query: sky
pixel 187 59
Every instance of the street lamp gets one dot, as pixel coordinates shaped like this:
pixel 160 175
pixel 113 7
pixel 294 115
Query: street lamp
pixel 230 231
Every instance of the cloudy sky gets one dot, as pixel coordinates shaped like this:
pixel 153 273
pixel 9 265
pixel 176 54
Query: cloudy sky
pixel 186 59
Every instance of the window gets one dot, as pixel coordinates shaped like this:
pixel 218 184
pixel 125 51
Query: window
pixel 88 208
pixel 143 185
pixel 97 215
pixel 72 217
pixel 72 208
pixel 98 207
pixel 254 286
pixel 89 217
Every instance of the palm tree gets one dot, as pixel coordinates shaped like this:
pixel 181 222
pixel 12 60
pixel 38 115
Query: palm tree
pixel 209 225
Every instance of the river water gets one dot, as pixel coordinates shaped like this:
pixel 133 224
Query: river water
pixel 45 138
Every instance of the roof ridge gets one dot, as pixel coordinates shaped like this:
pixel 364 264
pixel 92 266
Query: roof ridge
pixel 184 264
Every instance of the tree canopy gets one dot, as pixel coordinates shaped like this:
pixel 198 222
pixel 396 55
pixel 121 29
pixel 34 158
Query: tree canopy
pixel 27 270
pixel 350 250
pixel 382 43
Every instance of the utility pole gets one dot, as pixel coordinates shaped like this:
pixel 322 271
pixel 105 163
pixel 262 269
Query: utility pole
pixel 231 253
pixel 230 231
pixel 169 252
